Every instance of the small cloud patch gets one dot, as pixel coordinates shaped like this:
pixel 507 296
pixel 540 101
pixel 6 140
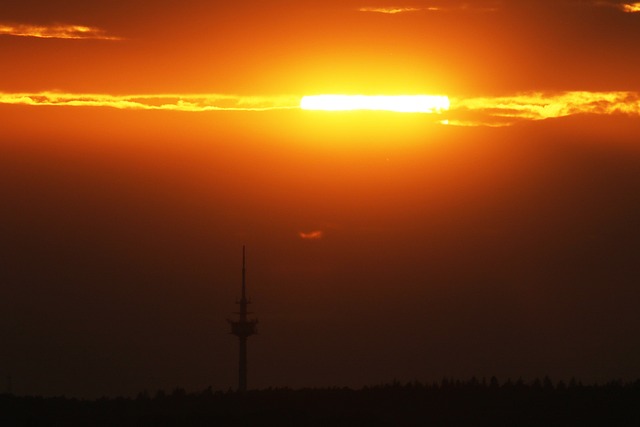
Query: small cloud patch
pixel 631 7
pixel 627 7
pixel 311 235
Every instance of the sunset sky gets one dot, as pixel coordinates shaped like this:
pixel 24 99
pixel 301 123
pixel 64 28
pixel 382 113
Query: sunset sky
pixel 143 143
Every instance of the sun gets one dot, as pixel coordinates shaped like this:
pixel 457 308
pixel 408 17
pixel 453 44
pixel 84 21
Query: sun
pixel 395 103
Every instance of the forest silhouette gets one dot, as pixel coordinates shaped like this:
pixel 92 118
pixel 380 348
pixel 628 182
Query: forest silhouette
pixel 475 402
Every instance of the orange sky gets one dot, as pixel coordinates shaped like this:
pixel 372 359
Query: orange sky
pixel 143 143
pixel 282 47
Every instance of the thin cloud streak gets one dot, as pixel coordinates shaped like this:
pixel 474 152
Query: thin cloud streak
pixel 478 111
pixel 507 110
pixel 391 10
pixel 57 31
pixel 627 7
pixel 168 102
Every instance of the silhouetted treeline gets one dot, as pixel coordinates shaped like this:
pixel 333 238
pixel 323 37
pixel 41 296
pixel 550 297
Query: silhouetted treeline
pixel 446 403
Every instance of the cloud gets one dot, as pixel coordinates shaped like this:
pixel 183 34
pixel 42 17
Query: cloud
pixel 447 7
pixel 507 110
pixel 389 10
pixel 478 111
pixel 312 235
pixel 627 7
pixel 488 6
pixel 57 31
pixel 169 102
pixel 630 7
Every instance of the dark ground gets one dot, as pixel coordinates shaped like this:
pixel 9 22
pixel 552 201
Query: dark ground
pixel 448 403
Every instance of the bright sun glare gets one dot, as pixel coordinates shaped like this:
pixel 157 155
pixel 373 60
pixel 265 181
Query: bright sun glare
pixel 400 104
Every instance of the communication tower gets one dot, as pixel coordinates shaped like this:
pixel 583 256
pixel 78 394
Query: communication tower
pixel 243 328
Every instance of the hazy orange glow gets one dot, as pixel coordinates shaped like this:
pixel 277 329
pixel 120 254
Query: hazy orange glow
pixel 55 31
pixel 399 104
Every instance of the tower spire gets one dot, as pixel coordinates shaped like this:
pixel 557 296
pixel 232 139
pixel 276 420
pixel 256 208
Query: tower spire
pixel 243 329
pixel 244 287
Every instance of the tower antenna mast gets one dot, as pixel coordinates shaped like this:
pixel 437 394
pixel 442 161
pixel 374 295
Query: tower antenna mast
pixel 243 328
